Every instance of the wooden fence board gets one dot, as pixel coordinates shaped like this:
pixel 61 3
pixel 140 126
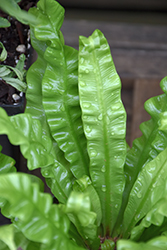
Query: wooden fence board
pixel 143 90
pixel 121 4
pixel 139 51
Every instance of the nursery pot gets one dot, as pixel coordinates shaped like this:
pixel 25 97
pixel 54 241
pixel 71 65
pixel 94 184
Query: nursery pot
pixel 7 148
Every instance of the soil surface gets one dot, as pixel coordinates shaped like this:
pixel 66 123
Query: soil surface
pixel 11 37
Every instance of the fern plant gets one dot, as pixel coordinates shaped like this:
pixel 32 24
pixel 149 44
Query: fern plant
pixel 73 129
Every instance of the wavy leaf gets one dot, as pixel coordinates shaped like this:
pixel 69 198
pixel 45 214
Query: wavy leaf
pixel 6 163
pixel 38 149
pixel 34 84
pixel 157 216
pixel 148 146
pixel 34 214
pixel 24 131
pixel 149 187
pixel 158 243
pixel 104 121
pixel 84 185
pixel 34 104
pixel 59 88
pixel 79 211
pixel 61 103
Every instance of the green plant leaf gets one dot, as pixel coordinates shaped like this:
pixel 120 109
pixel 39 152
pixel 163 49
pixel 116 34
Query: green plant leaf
pixel 149 187
pixel 59 89
pixel 4 71
pixel 34 97
pixel 84 185
pixel 79 204
pixel 12 8
pixel 148 146
pixel 108 245
pixel 104 121
pixel 163 121
pixel 19 70
pixel 34 84
pixel 35 107
pixel 21 63
pixel 24 131
pixel 34 214
pixel 6 163
pixel 61 103
pixel 4 23
pixel 79 211
pixel 3 54
pixel 7 73
pixel 158 243
pixel 157 217
pixel 7 236
pixel 38 149
pixel 16 83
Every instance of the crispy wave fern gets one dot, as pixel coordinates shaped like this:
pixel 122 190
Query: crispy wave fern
pixel 73 129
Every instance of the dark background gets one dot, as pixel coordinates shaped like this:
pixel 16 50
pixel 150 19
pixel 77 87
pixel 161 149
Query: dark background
pixel 160 5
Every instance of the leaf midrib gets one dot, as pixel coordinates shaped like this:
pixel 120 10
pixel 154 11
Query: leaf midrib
pixel 107 161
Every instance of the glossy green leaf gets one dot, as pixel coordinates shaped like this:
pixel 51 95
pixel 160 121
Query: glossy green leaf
pixel 104 121
pixel 154 217
pixel 24 131
pixel 34 97
pixel 7 236
pixel 34 81
pixel 148 146
pixel 59 88
pixel 22 242
pixel 79 204
pixel 34 84
pixel 3 54
pixel 108 245
pixel 12 8
pixel 84 185
pixel 6 163
pixel 34 214
pixel 38 149
pixel 78 209
pixel 159 243
pixel 163 121
pixel 61 103
pixel 4 23
pixel 149 187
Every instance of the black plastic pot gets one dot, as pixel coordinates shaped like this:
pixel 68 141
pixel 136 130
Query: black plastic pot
pixel 7 148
